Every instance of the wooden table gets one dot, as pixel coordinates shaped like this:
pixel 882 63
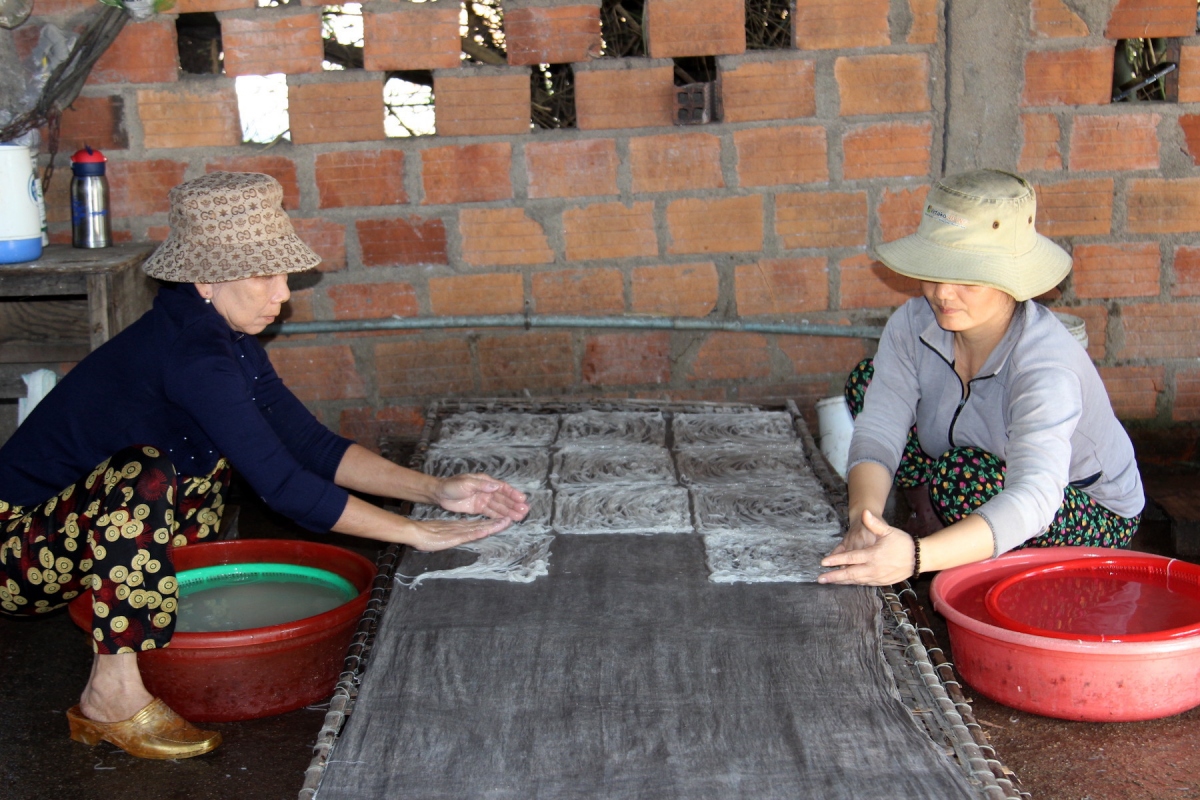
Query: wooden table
pixel 66 304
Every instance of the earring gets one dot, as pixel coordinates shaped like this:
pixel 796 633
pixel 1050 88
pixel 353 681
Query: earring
pixel 208 301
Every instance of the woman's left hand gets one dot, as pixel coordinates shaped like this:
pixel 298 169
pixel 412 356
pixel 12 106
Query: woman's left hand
pixel 889 560
pixel 475 493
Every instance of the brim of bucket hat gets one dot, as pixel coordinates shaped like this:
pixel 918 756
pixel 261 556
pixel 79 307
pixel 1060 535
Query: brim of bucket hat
pixel 1025 276
pixel 181 261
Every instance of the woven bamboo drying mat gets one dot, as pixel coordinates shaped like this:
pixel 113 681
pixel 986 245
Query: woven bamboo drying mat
pixel 624 672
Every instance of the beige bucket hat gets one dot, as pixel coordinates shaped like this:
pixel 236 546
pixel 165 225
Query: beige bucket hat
pixel 226 226
pixel 978 228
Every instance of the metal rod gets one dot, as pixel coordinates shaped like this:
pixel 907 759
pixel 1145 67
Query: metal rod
pixel 559 321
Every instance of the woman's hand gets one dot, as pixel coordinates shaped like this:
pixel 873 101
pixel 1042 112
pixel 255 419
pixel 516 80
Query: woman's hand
pixel 431 535
pixel 857 537
pixel 475 493
pixel 887 559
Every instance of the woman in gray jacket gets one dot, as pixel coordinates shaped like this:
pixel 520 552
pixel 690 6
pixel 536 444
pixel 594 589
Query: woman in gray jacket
pixel 982 396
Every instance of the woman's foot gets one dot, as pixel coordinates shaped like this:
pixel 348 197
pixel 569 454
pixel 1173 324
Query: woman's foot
pixel 153 732
pixel 923 519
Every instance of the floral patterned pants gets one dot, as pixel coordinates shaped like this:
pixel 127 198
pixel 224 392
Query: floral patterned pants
pixel 112 532
pixel 964 478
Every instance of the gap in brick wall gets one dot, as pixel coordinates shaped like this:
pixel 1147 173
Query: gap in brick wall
pixel 199 38
pixel 263 107
pixel 621 30
pixel 342 32
pixel 1146 70
pixel 768 24
pixel 553 96
pixel 481 25
pixel 408 104
pixel 697 91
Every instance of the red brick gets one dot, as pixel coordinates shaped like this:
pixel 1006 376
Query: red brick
pixel 298 308
pixel 1164 206
pixel 501 237
pixel 403 240
pixel 882 83
pixel 866 283
pixel 196 6
pixel 176 118
pixel 369 426
pixel 479 103
pixel 327 239
pixel 632 96
pixel 1075 208
pixel 715 225
pixel 709 394
pixel 1145 19
pixel 1187 272
pixel 731 356
pixel 840 24
pixel 1125 142
pixel 782 286
pixel 1095 319
pixel 627 359
pixel 579 291
pixel 25 38
pixel 143 53
pixel 887 150
pixel 678 290
pixel 1134 391
pixel 900 211
pixel 1052 19
pixel 373 300
pixel 138 188
pixel 421 367
pixel 281 168
pixel 267 43
pixel 754 91
pixel 610 230
pixel 572 168
pixel 1160 330
pixel 1189 74
pixel 1187 396
pixel 559 35
pixel 472 173
pixel 412 37
pixel 361 178
pixel 471 295
pixel 338 111
pixel 695 27
pixel 1190 125
pixel 1068 77
pixel 1129 269
pixel 924 28
pixel 675 162
pixel 821 219
pixel 780 155
pixel 526 361
pixel 1040 149
pixel 816 355
pixel 95 121
pixel 319 372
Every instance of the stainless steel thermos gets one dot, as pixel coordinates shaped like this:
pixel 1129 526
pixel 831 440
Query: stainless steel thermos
pixel 91 225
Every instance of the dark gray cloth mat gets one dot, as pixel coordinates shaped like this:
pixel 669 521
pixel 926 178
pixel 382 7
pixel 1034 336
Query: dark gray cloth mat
pixel 627 674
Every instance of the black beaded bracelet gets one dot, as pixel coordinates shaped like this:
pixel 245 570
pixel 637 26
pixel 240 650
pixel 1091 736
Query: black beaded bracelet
pixel 916 559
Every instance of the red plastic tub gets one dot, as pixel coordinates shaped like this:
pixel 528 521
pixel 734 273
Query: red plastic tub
pixel 258 672
pixel 1066 679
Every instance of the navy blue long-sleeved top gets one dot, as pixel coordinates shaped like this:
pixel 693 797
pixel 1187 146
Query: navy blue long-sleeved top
pixel 182 380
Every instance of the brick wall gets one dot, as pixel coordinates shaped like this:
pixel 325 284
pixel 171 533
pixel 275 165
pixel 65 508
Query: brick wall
pixel 826 148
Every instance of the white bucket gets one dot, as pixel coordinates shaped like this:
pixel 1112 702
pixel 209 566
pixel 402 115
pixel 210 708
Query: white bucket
pixel 20 223
pixel 1075 325
pixel 835 427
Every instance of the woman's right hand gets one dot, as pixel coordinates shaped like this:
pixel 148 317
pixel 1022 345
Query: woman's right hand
pixel 431 535
pixel 857 537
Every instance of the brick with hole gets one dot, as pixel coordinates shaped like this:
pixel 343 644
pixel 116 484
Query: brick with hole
pixel 552 35
pixel 373 300
pixel 755 91
pixel 408 36
pixel 1187 272
pixel 676 28
pixel 267 44
pixel 1189 74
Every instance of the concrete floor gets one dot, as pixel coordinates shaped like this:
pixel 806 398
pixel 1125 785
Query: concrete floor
pixel 45 663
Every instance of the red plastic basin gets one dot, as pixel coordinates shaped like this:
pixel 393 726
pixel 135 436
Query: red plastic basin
pixel 258 672
pixel 1062 678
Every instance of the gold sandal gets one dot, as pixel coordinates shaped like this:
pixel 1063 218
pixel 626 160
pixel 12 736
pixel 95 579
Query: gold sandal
pixel 154 732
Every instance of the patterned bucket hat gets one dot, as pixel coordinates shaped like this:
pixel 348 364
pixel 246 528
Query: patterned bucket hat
pixel 226 226
pixel 977 228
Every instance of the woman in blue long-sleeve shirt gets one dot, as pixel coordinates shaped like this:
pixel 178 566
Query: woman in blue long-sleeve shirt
pixel 131 455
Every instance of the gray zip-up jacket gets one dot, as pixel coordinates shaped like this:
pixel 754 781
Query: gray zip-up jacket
pixel 1037 404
